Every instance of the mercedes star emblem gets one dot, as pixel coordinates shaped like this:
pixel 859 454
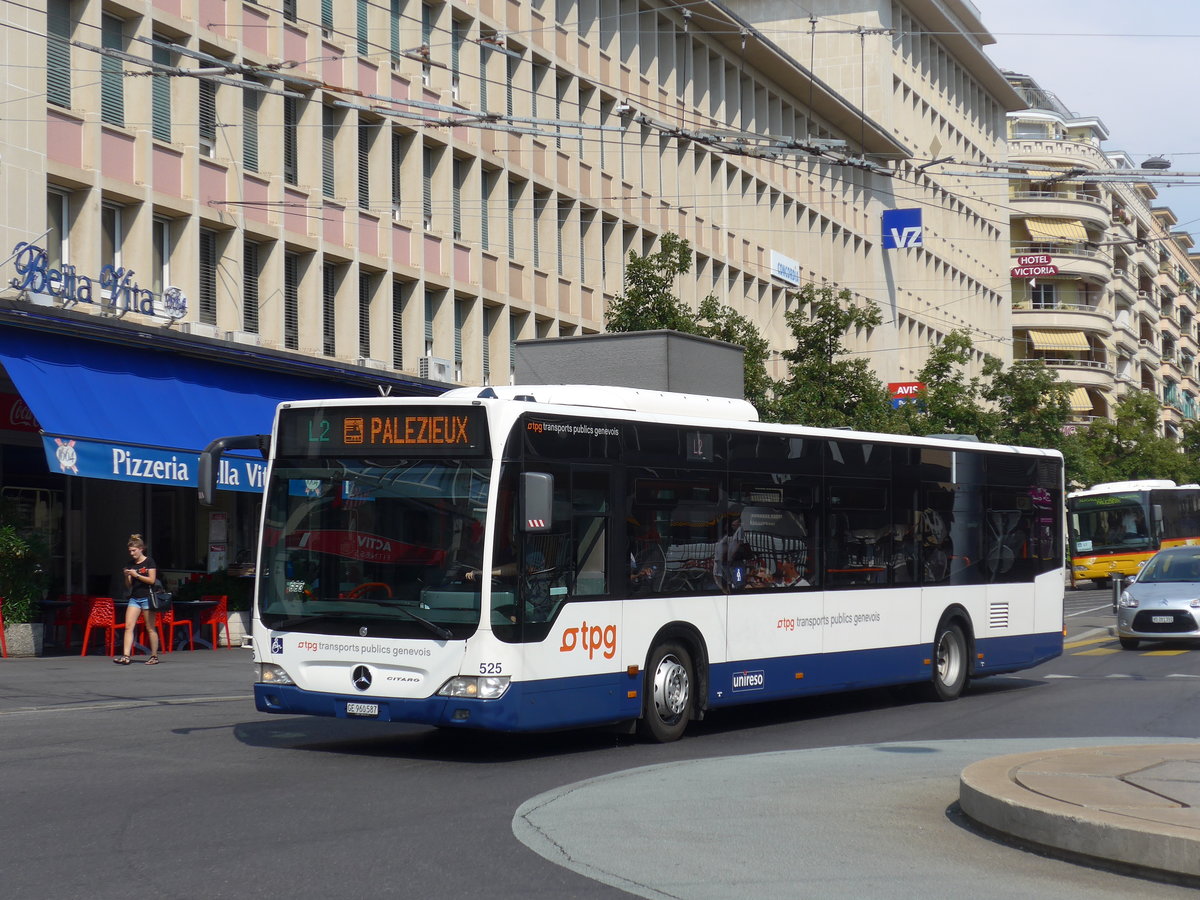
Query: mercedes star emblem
pixel 361 676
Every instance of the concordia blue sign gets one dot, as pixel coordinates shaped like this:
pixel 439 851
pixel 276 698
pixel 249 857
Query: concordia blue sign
pixel 147 465
pixel 902 228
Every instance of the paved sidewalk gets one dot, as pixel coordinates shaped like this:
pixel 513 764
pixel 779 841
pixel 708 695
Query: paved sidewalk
pixel 1136 808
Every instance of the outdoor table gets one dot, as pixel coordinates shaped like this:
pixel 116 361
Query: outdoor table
pixel 50 608
pixel 191 610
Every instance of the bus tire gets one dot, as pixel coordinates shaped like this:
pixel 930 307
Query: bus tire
pixel 668 696
pixel 949 663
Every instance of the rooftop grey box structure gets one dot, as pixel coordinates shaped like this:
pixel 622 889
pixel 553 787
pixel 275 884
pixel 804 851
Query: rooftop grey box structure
pixel 653 360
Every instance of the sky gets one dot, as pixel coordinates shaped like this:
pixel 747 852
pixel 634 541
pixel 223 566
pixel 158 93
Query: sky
pixel 1132 64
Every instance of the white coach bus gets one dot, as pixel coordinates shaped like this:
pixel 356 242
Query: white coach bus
pixel 547 557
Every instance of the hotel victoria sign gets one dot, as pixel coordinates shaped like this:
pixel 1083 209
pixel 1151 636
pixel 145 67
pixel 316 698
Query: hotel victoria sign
pixel 115 290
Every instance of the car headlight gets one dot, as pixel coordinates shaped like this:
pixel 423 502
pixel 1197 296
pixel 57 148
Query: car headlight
pixel 1126 601
pixel 1195 604
pixel 479 687
pixel 269 673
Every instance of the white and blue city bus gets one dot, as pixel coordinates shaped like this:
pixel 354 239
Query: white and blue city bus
pixel 547 557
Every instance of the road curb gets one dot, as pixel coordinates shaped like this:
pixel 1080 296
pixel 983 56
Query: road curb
pixel 1114 833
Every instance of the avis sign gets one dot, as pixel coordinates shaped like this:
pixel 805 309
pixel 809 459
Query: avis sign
pixel 903 392
pixel 1035 265
pixel 902 228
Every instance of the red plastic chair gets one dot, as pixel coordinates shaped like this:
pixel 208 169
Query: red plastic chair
pixel 3 644
pixel 217 616
pixel 102 614
pixel 166 624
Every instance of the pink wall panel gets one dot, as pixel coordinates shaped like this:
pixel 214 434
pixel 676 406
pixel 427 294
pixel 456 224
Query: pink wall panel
pixel 254 192
pixel 168 171
pixel 116 154
pixel 64 139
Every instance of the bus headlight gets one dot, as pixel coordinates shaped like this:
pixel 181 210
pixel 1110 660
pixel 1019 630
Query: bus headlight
pixel 1127 602
pixel 479 687
pixel 269 673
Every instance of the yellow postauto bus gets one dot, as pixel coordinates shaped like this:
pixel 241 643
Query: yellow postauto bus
pixel 1116 527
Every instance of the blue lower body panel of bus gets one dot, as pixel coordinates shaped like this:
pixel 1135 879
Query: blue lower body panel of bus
pixel 526 706
pixel 613 697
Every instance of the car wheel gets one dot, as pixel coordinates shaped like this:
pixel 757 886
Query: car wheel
pixel 1128 643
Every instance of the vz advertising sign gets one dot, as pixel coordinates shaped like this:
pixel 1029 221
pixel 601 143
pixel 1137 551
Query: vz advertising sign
pixel 902 228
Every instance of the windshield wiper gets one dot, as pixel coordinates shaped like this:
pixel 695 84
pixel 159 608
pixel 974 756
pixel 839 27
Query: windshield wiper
pixel 432 627
pixel 444 633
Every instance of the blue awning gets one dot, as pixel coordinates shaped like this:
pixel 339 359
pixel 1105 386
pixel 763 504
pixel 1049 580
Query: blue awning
pixel 131 414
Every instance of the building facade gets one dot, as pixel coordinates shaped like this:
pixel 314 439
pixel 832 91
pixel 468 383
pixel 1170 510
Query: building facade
pixel 363 193
pixel 1104 288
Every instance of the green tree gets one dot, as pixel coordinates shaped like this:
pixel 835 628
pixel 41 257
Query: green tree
pixel 952 402
pixel 649 302
pixel 1129 446
pixel 720 322
pixel 1033 406
pixel 825 386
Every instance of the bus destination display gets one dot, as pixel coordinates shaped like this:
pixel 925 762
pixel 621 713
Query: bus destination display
pixel 417 431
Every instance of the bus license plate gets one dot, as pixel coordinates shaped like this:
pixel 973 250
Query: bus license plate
pixel 1162 620
pixel 362 709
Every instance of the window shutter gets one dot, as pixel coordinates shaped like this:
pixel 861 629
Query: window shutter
pixel 160 95
pixel 328 133
pixel 291 117
pixel 291 301
pixel 250 287
pixel 364 45
pixel 112 74
pixel 58 53
pixel 364 314
pixel 250 100
pixel 328 300
pixel 208 115
pixel 364 165
pixel 397 325
pixel 208 278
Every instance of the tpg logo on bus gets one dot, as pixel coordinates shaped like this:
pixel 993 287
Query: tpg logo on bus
pixel 590 638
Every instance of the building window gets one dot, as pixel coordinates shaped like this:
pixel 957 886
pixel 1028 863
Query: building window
pixel 326 18
pixel 208 117
pixel 460 316
pixel 58 53
pixel 459 178
pixel 160 94
pixel 426 39
pixel 490 314
pixel 57 221
pixel 428 166
pixel 400 293
pixel 250 100
pixel 328 137
pixel 328 308
pixel 110 236
pixel 486 180
pixel 289 10
pixel 458 34
pixel 429 311
pixel 364 314
pixel 112 73
pixel 364 164
pixel 291 301
pixel 394 33
pixel 161 275
pixel 291 119
pixel 397 159
pixel 208 277
pixel 361 34
pixel 514 198
pixel 250 275
pixel 1043 295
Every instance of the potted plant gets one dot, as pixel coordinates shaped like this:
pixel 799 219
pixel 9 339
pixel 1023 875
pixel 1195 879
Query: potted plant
pixel 22 587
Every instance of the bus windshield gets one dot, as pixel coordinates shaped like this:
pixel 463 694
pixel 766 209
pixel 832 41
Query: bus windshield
pixel 360 546
pixel 1112 522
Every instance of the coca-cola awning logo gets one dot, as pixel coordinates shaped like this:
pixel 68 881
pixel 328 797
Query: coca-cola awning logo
pixel 15 414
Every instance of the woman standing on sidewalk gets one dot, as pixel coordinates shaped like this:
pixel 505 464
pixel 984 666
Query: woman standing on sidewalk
pixel 140 576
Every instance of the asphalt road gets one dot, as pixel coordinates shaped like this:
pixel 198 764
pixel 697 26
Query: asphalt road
pixel 165 781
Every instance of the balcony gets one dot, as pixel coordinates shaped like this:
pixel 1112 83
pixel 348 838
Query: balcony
pixel 1063 205
pixel 1061 314
pixel 1056 151
pixel 1072 258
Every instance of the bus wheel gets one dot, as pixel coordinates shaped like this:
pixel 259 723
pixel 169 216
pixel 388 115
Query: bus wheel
pixel 949 663
pixel 667 697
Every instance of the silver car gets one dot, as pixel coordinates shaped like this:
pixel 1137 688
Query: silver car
pixel 1163 600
